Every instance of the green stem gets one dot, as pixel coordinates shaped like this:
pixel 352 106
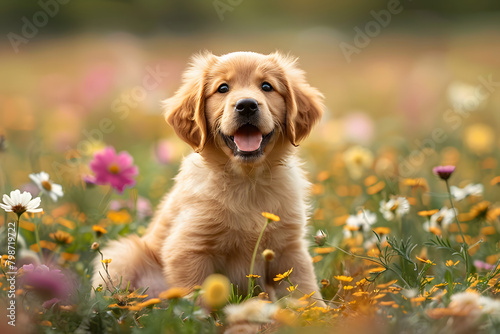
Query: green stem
pixel 255 255
pixel 37 238
pixel 105 200
pixel 464 244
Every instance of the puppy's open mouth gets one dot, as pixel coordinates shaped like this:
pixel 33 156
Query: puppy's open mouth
pixel 248 141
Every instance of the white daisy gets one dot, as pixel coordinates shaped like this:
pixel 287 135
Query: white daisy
pixel 42 180
pixel 444 217
pixel 20 203
pixel 362 221
pixel 469 190
pixel 395 207
pixel 252 310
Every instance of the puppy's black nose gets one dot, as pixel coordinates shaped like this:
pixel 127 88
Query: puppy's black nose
pixel 246 107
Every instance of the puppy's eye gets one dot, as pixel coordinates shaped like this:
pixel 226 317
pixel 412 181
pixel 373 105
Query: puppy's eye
pixel 224 88
pixel 266 87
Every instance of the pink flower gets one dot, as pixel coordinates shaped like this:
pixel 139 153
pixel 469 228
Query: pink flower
pixel 444 172
pixel 483 265
pixel 142 206
pixel 163 152
pixel 117 170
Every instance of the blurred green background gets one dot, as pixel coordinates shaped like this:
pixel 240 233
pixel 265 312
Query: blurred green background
pixel 68 65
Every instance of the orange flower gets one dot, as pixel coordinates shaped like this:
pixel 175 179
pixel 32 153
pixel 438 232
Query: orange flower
pixel 271 216
pixel 324 250
pixel 174 293
pixel 417 183
pixel 61 237
pixel 427 213
pixel 376 188
pixel 343 278
pixel 495 181
pixel 99 230
pixel 427 261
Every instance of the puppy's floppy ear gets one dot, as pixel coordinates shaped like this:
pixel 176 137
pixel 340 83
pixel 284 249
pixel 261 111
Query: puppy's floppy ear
pixel 185 111
pixel 304 103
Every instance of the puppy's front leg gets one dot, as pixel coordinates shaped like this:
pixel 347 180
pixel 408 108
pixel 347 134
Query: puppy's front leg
pixel 186 266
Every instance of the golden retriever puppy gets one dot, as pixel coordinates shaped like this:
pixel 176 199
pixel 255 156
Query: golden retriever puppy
pixel 243 113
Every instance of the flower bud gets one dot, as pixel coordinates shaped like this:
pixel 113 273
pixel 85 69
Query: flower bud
pixel 320 238
pixel 268 255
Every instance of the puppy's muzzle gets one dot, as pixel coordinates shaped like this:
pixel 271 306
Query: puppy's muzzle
pixel 247 141
pixel 246 107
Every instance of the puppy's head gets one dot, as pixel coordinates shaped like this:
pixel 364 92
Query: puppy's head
pixel 245 104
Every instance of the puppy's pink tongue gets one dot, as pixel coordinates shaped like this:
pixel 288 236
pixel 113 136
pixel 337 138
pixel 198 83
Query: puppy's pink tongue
pixel 248 138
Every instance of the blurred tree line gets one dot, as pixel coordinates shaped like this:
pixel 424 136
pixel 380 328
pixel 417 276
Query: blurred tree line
pixel 189 16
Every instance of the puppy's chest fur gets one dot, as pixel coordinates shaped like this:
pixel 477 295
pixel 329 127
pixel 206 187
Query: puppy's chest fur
pixel 223 212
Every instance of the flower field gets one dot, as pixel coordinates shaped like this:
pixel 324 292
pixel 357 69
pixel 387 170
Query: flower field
pixel 405 188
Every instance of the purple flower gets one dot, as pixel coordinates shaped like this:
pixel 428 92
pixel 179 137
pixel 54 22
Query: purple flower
pixel 444 172
pixel 45 282
pixel 114 169
pixel 49 303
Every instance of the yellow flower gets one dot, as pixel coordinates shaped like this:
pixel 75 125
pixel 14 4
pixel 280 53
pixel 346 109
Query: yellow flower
pixel 99 230
pixel 307 296
pixel 348 287
pixel 119 217
pixel 61 237
pixel 286 317
pixel 425 261
pixel 217 290
pixel 174 293
pixel 106 261
pixel 292 288
pixel 253 276
pixel 479 138
pixel 279 277
pixel 343 278
pixel 450 263
pixel 357 159
pixel 381 230
pixel 271 216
